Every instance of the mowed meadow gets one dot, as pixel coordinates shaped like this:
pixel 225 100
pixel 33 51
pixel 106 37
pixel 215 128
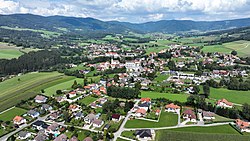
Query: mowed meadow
pixel 242 47
pixel 8 51
pixel 26 86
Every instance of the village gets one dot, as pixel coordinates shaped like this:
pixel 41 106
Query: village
pixel 117 106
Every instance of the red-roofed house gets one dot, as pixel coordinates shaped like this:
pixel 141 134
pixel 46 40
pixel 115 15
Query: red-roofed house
pixel 145 100
pixel 140 112
pixel 224 103
pixel 116 117
pixel 74 108
pixel 189 115
pixel 242 125
pixel 172 108
pixel 72 94
pixel 103 90
pixel 19 120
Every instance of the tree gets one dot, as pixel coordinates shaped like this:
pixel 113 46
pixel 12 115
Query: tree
pixel 116 78
pixel 66 116
pixel 246 111
pixel 234 52
pixel 196 89
pixel 58 92
pixel 74 86
pixel 206 90
pixel 42 91
pixel 138 85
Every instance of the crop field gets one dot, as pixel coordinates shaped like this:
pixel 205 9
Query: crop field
pixel 25 86
pixel 242 47
pixel 166 119
pixel 10 114
pixel 173 97
pixel 239 97
pixel 216 133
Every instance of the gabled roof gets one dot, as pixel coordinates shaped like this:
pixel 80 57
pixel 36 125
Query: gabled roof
pixel 172 106
pixel 225 101
pixel 143 133
pixel 62 137
pixel 142 111
pixel 116 116
pixel 88 139
pixel 17 118
pixel 242 124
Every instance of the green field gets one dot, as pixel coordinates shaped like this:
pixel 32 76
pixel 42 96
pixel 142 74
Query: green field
pixel 87 100
pixel 239 97
pixel 13 90
pixel 166 119
pixel 65 85
pixel 10 114
pixel 215 133
pixel 242 47
pixel 9 53
pixel 173 97
pixel 45 33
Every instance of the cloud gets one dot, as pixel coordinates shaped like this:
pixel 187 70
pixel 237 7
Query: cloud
pixel 132 10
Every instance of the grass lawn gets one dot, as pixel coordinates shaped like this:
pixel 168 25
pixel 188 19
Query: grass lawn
pixel 81 134
pixel 161 77
pixel 9 115
pixel 128 134
pixel 13 91
pixel 239 97
pixel 222 129
pixel 173 97
pixel 120 139
pixel 221 119
pixel 215 133
pixel 64 85
pixel 87 100
pixel 166 119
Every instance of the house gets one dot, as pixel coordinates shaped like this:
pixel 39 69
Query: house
pixel 62 137
pixel 54 115
pixel 157 112
pixel 116 117
pixel 19 120
pixel 74 108
pixel 145 100
pixel 40 136
pixel 144 134
pixel 102 100
pixel 224 103
pixel 189 115
pixel 208 115
pixel 40 99
pixel 74 138
pixel 97 123
pixel 79 115
pixel 88 139
pixel 145 105
pixel 172 108
pixel 106 127
pixel 140 112
pixel 39 125
pixel 46 107
pixel 72 94
pixel 89 118
pixel 53 129
pixel 242 125
pixel 23 135
pixel 33 113
pixel 103 90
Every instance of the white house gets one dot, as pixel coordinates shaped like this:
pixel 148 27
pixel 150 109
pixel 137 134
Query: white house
pixel 242 125
pixel 172 108
pixel 224 103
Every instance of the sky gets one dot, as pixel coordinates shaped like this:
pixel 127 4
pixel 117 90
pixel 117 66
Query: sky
pixel 136 11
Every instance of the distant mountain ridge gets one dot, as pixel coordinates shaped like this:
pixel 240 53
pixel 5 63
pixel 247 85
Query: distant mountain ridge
pixel 73 24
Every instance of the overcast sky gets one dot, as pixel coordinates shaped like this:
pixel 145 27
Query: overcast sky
pixel 136 11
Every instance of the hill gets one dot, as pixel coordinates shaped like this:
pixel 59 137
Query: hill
pixel 56 23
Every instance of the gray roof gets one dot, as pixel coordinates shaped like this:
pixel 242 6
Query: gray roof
pixel 22 133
